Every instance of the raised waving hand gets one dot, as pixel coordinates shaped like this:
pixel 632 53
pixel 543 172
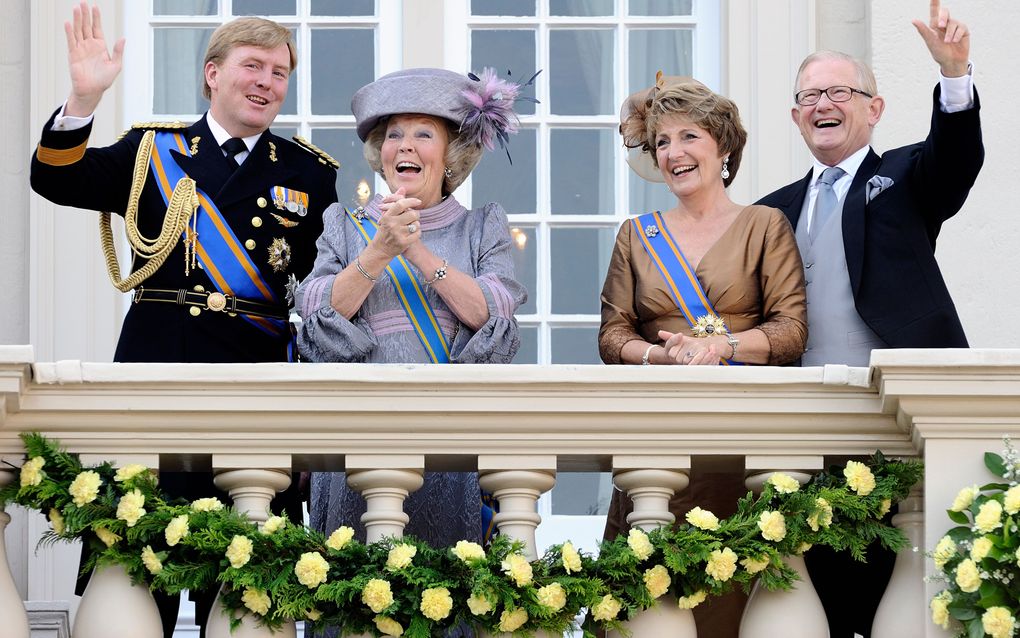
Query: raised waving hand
pixel 947 39
pixel 93 68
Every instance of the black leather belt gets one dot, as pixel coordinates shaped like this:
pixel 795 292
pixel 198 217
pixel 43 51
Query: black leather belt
pixel 214 301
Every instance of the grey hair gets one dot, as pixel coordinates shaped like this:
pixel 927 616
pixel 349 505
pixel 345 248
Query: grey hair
pixel 865 76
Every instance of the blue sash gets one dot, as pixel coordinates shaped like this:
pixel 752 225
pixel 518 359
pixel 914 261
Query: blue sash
pixel 680 279
pixel 218 250
pixel 412 297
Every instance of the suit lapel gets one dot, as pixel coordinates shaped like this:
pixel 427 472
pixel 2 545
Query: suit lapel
pixel 207 166
pixel 854 214
pixel 251 177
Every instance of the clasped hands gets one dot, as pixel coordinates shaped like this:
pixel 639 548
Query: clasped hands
pixel 685 350
pixel 399 226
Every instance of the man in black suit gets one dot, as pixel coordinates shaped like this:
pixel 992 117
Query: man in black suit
pixel 221 214
pixel 866 226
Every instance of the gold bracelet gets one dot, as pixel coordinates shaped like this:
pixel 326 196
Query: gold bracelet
pixel 364 273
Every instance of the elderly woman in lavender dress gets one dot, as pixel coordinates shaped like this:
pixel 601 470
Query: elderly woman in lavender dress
pixel 424 131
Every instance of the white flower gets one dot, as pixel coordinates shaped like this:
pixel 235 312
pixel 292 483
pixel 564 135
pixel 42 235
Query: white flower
pixel 128 472
pixel 468 551
pixel 273 524
pixel 176 529
pixel 340 537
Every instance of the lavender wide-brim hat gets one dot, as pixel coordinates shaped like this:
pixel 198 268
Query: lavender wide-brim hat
pixel 436 92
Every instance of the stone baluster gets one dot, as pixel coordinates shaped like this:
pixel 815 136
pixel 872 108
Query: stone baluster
pixel 113 607
pixel 902 612
pixel 12 609
pixel 252 481
pixel 385 481
pixel 797 613
pixel 651 482
pixel 516 483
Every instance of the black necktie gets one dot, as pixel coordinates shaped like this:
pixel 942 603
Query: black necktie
pixel 233 146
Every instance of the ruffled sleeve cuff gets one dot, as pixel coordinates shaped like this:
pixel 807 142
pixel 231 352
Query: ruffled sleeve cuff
pixel 499 339
pixel 325 334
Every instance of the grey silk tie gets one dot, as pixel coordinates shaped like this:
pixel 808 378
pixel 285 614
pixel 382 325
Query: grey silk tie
pixel 826 202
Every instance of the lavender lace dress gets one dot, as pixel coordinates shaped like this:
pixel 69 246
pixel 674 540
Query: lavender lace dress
pixel 477 242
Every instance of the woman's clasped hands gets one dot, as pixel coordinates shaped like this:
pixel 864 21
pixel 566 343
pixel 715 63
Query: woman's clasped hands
pixel 399 226
pixel 692 351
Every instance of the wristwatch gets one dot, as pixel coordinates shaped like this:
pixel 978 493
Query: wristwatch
pixel 733 342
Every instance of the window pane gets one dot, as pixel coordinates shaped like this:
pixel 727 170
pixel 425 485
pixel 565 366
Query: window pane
pixel 503 7
pixel 265 7
pixel 525 256
pixel 660 7
pixel 581 7
pixel 178 77
pixel 343 7
pixel 582 493
pixel 581 72
pixel 575 345
pixel 583 162
pixel 333 81
pixel 286 132
pixel 513 186
pixel 652 50
pixel 648 196
pixel 510 50
pixel 528 352
pixel 580 258
pixel 355 181
pixel 184 7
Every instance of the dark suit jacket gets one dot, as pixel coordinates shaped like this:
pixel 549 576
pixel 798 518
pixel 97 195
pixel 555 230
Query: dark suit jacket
pixel 165 332
pixel 890 241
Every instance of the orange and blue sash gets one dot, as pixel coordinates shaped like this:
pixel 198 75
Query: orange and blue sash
pixel 412 297
pixel 218 250
pixel 680 279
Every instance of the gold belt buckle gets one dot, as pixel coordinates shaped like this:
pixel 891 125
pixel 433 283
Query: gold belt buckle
pixel 216 301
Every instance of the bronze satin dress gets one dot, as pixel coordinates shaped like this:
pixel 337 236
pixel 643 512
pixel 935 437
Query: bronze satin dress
pixel 754 278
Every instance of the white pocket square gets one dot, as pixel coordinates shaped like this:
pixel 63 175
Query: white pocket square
pixel 876 185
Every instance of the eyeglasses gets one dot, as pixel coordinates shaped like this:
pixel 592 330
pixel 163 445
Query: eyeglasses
pixel 808 97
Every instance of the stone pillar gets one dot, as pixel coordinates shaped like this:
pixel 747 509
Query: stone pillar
pixel 902 611
pixel 516 483
pixel 385 481
pixel 12 609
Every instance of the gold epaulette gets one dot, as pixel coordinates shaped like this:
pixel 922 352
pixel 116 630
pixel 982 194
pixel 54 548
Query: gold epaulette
pixel 159 126
pixel 323 156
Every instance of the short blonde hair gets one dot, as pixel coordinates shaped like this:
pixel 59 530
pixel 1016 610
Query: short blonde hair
pixel 250 31
pixel 696 102
pixel 461 156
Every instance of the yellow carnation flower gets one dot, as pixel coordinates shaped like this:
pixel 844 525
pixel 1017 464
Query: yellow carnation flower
pixel 772 526
pixel 479 605
pixel 151 561
pixel 311 569
pixel 998 622
pixel 273 524
pixel 313 614
pixel 784 483
pixel 340 537
pixel 755 565
pixel 989 516
pixel 128 472
pixel 571 559
pixel 967 576
pixel 256 600
pixel 638 542
pixel 109 538
pixel 129 508
pixel 518 568
pixel 85 487
pixel 176 529
pixel 206 505
pixel 859 478
pixel 400 556
pixel 436 603
pixel 239 551
pixel 468 551
pixel 57 521
pixel 982 546
pixel 1011 500
pixel 703 519
pixel 940 608
pixel 722 563
pixel 945 550
pixel 31 471
pixel 606 609
pixel 886 506
pixel 803 547
pixel 552 596
pixel 821 516
pixel 964 498
pixel 657 580
pixel 512 619
pixel 377 595
pixel 692 601
pixel 388 627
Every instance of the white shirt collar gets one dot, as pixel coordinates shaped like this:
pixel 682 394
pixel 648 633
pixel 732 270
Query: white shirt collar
pixel 220 134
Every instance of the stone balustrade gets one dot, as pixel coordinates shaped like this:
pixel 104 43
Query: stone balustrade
pixel 519 426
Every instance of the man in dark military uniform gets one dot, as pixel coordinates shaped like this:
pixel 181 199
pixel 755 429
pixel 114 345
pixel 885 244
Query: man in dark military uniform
pixel 221 214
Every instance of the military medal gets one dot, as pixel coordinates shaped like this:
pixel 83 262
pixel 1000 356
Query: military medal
pixel 279 254
pixel 290 200
pixel 708 325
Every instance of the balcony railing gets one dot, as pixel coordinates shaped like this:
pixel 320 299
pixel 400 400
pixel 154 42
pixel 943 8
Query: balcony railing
pixel 946 406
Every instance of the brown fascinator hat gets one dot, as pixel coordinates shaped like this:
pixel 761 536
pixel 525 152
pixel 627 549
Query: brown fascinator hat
pixel 633 113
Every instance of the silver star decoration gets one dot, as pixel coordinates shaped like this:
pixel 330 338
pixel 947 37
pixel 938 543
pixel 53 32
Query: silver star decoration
pixel 651 230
